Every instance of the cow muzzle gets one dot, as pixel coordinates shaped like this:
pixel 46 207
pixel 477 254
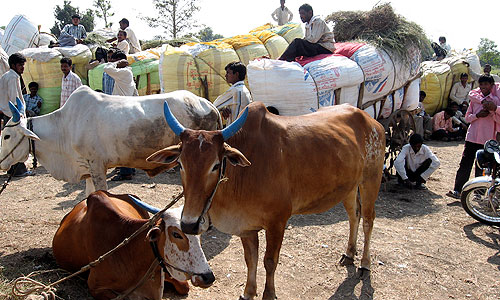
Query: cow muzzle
pixel 204 280
pixel 197 227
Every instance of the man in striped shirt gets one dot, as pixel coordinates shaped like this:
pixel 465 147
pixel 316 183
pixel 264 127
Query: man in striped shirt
pixel 76 29
pixel 70 81
pixel 237 97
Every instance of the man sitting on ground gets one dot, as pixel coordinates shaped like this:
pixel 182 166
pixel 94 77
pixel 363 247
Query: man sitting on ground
pixel 415 163
pixel 317 40
pixel 442 126
pixel 460 90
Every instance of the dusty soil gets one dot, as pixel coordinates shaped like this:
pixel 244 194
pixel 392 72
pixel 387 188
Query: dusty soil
pixel 424 245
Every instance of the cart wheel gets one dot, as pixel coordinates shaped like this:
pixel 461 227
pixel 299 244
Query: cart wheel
pixel 399 127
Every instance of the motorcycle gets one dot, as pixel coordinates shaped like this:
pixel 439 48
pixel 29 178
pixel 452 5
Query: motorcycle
pixel 481 195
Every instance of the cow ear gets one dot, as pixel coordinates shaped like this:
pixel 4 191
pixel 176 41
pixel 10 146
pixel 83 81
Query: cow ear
pixel 235 157
pixel 30 134
pixel 169 155
pixel 154 234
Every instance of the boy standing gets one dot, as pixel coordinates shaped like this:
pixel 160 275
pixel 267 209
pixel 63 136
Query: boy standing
pixel 237 97
pixel 33 101
pixel 282 14
pixel 70 81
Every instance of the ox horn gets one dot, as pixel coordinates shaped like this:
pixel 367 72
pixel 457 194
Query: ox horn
pixel 144 205
pixel 176 127
pixel 20 106
pixel 235 126
pixel 16 116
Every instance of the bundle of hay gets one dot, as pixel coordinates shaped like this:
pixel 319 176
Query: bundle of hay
pixel 381 27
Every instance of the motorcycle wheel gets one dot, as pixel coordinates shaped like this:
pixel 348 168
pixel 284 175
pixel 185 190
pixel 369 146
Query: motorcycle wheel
pixel 477 205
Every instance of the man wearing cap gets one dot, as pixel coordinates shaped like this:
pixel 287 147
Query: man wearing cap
pixel 415 163
pixel 75 29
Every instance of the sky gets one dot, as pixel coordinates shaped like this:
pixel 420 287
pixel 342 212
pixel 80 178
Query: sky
pixel 459 23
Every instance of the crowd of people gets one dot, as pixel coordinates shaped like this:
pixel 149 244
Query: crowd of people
pixel 472 114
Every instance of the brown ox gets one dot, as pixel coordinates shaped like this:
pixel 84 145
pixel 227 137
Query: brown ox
pixel 98 224
pixel 299 165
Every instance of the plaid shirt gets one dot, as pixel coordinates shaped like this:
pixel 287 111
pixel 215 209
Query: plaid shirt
pixel 108 83
pixel 78 32
pixel 68 85
pixel 32 103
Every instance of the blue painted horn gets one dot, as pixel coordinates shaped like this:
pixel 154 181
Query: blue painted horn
pixel 144 205
pixel 176 127
pixel 16 116
pixel 20 106
pixel 235 126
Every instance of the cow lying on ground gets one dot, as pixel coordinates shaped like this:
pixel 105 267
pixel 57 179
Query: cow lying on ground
pixel 103 221
pixel 93 132
pixel 294 165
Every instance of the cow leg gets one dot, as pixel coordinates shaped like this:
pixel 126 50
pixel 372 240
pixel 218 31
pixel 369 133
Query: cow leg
pixel 98 175
pixel 251 247
pixel 274 238
pixel 89 186
pixel 352 207
pixel 368 192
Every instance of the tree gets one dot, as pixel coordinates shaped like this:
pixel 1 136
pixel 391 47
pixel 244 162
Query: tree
pixel 207 35
pixel 488 53
pixel 175 16
pixel 63 17
pixel 103 10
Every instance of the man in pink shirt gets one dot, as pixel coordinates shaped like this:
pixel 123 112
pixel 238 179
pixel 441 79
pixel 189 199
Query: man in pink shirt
pixel 483 115
pixel 442 125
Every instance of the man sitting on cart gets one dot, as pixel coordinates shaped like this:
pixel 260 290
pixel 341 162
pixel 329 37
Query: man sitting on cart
pixel 317 40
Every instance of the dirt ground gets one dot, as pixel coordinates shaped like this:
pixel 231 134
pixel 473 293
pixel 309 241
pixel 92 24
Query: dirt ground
pixel 424 245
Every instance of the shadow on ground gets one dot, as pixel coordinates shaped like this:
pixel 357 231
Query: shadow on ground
pixel 493 242
pixel 345 291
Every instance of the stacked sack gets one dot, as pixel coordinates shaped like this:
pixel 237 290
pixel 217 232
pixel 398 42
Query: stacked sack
pixel 199 67
pixel 43 66
pixel 327 80
pixel 144 66
pixel 19 34
pixel 439 76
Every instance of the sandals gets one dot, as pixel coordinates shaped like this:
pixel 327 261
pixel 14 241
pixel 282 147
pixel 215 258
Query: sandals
pixel 453 194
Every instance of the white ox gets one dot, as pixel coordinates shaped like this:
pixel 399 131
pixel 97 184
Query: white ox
pixel 93 132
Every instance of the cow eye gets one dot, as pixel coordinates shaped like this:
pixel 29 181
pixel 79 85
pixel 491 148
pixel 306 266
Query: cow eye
pixel 6 137
pixel 177 235
pixel 216 167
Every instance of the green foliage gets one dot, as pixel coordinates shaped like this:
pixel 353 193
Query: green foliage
pixel 63 16
pixel 175 16
pixel 488 53
pixel 207 35
pixel 103 11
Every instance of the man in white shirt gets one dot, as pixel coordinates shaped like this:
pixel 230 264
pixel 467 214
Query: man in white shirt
pixel 119 70
pixel 318 38
pixel 10 89
pixel 237 97
pixel 460 91
pixel 132 40
pixel 70 81
pixel 122 43
pixel 282 14
pixel 124 85
pixel 446 47
pixel 415 163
